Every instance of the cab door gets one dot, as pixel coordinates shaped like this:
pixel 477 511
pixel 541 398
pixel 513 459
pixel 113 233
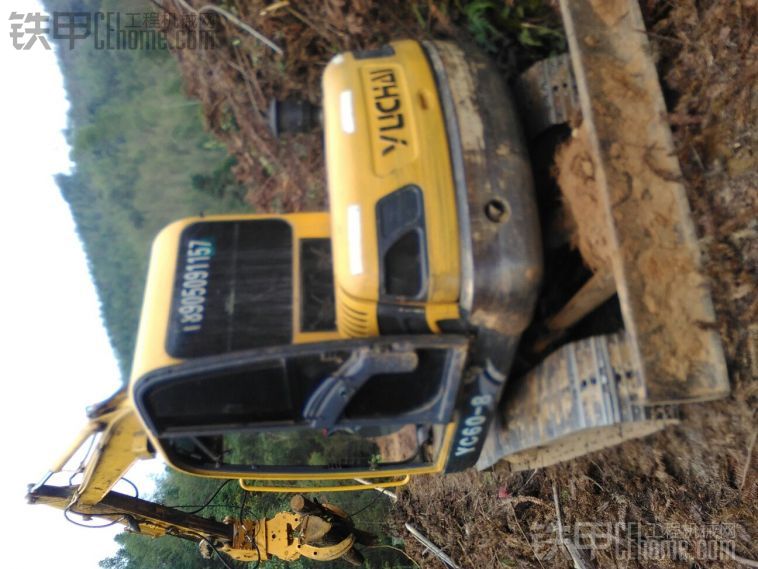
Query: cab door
pixel 362 407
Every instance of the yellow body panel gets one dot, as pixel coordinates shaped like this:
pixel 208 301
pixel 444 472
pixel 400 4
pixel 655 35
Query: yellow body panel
pixel 394 99
pixel 394 483
pixel 356 317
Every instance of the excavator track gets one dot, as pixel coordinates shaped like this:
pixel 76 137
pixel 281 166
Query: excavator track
pixel 586 396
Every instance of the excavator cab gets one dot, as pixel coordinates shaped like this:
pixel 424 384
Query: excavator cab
pixel 240 370
pixel 377 340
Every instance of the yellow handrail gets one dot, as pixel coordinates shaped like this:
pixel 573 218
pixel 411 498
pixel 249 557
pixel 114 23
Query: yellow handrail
pixel 402 481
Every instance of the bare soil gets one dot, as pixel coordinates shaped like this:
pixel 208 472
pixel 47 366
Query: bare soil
pixel 678 483
pixel 575 173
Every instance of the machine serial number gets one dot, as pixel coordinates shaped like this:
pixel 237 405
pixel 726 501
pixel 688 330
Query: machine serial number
pixel 194 285
pixel 472 425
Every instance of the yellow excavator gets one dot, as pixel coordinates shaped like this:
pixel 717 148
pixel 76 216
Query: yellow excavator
pixel 453 308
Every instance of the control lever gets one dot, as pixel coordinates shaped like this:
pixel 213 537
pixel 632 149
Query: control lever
pixel 327 403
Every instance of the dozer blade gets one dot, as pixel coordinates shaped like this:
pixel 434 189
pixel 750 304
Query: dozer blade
pixel 664 299
pixel 586 396
pixel 598 392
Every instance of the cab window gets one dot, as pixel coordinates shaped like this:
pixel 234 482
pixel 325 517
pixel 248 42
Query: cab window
pixel 360 403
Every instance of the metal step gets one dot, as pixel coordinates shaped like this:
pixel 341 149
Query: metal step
pixel 585 396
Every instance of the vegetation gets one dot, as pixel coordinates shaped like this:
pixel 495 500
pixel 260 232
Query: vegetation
pixel 497 25
pixel 142 160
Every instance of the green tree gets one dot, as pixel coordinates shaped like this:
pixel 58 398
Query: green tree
pixel 137 144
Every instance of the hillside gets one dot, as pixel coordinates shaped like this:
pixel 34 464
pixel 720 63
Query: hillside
pixel 142 159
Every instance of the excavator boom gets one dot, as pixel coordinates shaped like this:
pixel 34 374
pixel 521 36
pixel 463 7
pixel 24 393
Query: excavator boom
pixel 119 441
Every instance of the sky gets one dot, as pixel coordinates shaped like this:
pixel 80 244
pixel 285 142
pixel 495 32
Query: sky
pixel 55 358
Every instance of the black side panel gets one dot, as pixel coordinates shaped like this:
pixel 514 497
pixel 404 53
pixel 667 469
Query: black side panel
pixel 401 238
pixel 233 288
pixel 317 312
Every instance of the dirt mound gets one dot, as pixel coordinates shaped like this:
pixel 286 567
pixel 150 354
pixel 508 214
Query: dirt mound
pixel 575 173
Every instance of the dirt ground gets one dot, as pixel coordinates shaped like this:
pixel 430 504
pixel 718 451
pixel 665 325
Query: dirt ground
pixel 673 487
